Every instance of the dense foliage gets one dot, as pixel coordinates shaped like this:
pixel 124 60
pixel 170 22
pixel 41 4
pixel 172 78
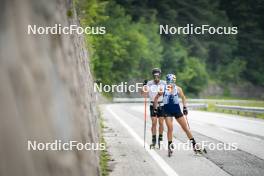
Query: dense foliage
pixel 133 45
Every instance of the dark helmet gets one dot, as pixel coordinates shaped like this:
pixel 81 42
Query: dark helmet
pixel 155 71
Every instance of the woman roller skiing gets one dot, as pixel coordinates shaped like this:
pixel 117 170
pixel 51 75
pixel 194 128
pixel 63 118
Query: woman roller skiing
pixel 172 109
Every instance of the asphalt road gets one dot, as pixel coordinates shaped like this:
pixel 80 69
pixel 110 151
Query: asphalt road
pixel 124 136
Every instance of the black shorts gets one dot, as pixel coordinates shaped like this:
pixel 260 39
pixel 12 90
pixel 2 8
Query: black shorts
pixel 172 110
pixel 160 112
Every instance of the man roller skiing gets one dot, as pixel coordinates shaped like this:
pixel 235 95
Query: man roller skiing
pixel 171 108
pixel 153 87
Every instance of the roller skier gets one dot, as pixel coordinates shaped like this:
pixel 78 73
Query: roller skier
pixel 153 87
pixel 171 109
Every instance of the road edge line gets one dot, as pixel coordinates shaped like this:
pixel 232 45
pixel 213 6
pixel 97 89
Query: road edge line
pixel 163 165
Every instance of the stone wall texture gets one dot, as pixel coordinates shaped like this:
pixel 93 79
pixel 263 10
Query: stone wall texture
pixel 46 92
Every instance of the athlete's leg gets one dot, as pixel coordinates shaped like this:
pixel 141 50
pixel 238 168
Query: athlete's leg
pixel 161 120
pixel 154 125
pixel 182 121
pixel 153 129
pixel 169 123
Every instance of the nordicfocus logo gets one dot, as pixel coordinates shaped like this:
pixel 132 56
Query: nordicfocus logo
pixel 200 146
pixel 124 87
pixel 120 88
pixel 71 29
pixel 58 145
pixel 191 29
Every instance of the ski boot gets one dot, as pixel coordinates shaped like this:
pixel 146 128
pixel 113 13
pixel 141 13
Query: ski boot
pixel 152 146
pixel 170 149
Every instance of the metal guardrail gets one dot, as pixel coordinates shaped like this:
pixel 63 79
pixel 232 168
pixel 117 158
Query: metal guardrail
pixel 129 100
pixel 197 106
pixel 220 101
pixel 141 100
pixel 256 110
pixel 137 100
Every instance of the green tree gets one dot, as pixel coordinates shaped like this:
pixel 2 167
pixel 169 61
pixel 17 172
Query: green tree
pixel 248 16
pixel 129 49
pixel 190 71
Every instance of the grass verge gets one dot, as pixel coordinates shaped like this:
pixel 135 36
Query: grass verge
pixel 213 108
pixel 104 155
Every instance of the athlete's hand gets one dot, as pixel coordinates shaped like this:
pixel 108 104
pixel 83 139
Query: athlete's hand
pixel 145 82
pixel 185 110
pixel 144 88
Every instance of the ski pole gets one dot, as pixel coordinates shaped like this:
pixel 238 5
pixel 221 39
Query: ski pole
pixel 187 121
pixel 145 110
pixel 145 118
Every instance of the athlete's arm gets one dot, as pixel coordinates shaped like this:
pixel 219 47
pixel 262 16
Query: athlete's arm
pixel 182 96
pixel 185 111
pixel 155 104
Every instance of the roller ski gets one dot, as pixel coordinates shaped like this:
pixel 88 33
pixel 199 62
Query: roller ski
pixel 170 149
pixel 152 146
pixel 170 152
pixel 197 148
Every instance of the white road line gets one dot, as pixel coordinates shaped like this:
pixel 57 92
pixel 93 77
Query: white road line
pixel 229 131
pixel 218 115
pixel 241 134
pixel 163 165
